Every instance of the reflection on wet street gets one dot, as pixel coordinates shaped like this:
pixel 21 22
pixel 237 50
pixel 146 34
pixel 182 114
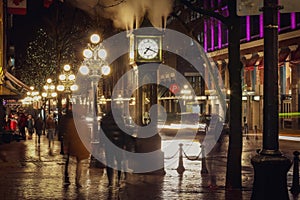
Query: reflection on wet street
pixel 29 171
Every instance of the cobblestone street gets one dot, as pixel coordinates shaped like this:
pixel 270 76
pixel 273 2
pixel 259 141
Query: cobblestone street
pixel 28 171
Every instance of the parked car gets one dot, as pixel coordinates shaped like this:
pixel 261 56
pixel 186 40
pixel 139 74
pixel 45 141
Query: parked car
pixel 205 122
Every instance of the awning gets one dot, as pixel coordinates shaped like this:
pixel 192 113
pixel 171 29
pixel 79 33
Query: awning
pixel 12 88
pixel 7 93
pixel 16 81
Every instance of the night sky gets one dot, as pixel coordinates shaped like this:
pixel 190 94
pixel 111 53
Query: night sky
pixel 24 26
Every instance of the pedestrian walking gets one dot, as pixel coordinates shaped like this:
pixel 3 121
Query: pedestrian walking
pixel 14 123
pixel 50 126
pixel 22 125
pixel 39 126
pixel 73 144
pixel 113 126
pixel 7 123
pixel 246 127
pixel 30 126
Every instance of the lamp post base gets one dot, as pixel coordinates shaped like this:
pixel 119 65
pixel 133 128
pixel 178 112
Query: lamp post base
pixel 270 176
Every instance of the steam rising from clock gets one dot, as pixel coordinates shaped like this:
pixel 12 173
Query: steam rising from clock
pixel 128 14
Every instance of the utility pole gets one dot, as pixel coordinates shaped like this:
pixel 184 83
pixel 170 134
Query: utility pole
pixel 270 166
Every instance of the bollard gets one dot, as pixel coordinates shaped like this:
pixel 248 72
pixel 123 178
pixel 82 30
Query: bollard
pixel 203 161
pixel 180 169
pixel 295 189
pixel 246 131
pixel 255 130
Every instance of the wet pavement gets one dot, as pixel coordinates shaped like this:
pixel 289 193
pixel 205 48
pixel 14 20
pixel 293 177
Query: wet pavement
pixel 29 171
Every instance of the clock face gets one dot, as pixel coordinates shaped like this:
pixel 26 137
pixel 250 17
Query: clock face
pixel 148 48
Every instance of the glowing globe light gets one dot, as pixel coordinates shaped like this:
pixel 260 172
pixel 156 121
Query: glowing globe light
pixel 60 88
pixel 67 68
pixel 71 77
pixel 87 53
pixel 95 38
pixel 105 70
pixel 74 87
pixel 62 77
pixel 102 53
pixel 84 70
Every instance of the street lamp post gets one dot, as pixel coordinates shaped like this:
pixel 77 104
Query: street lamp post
pixel 67 80
pixel 94 66
pixel 49 93
pixel 32 96
pixel 67 85
pixel 270 165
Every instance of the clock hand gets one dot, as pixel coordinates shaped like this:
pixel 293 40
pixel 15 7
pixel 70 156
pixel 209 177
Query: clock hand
pixel 153 50
pixel 149 49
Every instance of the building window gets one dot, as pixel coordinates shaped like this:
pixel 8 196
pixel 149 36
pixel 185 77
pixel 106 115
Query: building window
pixel 285 21
pixel 254 27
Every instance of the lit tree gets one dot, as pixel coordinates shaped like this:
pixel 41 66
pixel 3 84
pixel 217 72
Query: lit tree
pixel 39 61
pixel 59 42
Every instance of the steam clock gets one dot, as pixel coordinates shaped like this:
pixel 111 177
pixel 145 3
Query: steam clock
pixel 146 56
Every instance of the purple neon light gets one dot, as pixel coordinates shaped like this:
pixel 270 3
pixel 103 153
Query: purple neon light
pixel 212 34
pixel 227 14
pixel 293 20
pixel 219 30
pixel 248 34
pixel 219 35
pixel 261 26
pixel 212 29
pixel 278 21
pixel 205 36
pixel 205 30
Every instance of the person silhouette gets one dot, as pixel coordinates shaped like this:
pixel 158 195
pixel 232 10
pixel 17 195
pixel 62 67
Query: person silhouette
pixel 113 126
pixel 73 144
pixel 50 126
pixel 39 126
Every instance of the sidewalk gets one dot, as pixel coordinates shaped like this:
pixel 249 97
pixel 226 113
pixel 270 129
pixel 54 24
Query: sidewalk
pixel 290 132
pixel 31 172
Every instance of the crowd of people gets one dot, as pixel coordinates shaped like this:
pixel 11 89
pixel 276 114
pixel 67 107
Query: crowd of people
pixel 22 124
pixel 25 124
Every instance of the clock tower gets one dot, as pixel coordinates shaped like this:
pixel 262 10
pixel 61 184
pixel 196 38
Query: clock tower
pixel 148 48
pixel 146 56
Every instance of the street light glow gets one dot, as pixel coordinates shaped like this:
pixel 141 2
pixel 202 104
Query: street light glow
pixel 74 87
pixel 67 68
pixel 102 53
pixel 105 70
pixel 87 53
pixel 54 94
pixel 71 77
pixel 84 70
pixel 95 38
pixel 52 87
pixel 60 88
pixel 62 77
pixel 49 80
